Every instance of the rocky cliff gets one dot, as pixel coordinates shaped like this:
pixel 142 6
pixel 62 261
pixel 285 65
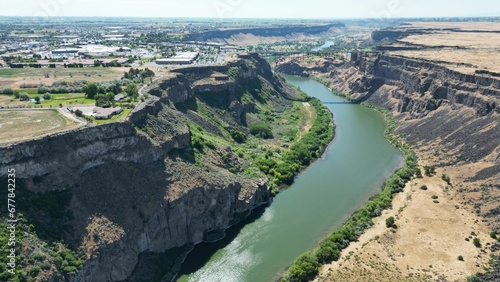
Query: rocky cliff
pixel 264 31
pixel 129 190
pixel 465 106
pixel 434 102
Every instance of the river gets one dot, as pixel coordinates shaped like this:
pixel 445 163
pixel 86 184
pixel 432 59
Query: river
pixel 353 168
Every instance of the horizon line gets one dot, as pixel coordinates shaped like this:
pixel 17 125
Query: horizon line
pixel 255 18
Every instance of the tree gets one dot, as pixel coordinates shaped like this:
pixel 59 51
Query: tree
pixel 78 113
pixel 24 96
pixel 132 90
pixel 37 99
pixel 90 90
pixel 389 222
pixel 46 96
pixel 261 130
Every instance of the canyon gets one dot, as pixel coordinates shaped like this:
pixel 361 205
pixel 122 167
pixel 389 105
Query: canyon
pixel 448 112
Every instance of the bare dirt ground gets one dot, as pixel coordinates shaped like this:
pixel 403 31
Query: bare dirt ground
pixel 20 125
pixel 428 239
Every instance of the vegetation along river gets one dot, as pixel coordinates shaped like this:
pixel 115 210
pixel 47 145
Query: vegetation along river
pixel 353 169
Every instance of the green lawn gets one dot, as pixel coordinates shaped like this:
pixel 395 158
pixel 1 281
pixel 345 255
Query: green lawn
pixel 55 100
pixel 65 99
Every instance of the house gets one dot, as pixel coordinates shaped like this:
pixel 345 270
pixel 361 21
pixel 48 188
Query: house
pixel 119 97
pixel 106 113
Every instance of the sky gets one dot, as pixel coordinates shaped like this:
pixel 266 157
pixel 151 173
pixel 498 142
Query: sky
pixel 324 9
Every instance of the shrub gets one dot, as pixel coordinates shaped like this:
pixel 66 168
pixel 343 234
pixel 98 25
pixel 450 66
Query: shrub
pixel 390 222
pixel 476 242
pixel 434 197
pixel 33 271
pixel 69 269
pixel 197 142
pixel 8 91
pixel 430 170
pixel 423 187
pixel 238 136
pixel 493 235
pixel 473 278
pixel 446 179
pixel 460 258
pixel 261 130
pixel 305 268
pixel 418 173
pixel 24 96
pixel 233 72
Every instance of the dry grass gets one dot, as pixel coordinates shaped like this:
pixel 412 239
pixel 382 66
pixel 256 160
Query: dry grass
pixel 485 26
pixel 474 40
pixel 475 49
pixel 428 239
pixel 458 59
pixel 19 125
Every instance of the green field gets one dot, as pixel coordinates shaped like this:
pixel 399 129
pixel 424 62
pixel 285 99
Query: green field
pixel 55 101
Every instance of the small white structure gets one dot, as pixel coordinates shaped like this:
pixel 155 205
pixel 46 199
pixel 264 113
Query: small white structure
pixel 181 58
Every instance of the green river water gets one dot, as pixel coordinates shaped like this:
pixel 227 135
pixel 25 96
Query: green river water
pixel 353 168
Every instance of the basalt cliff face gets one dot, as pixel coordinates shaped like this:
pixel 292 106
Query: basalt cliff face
pixel 434 104
pixel 460 111
pixel 130 190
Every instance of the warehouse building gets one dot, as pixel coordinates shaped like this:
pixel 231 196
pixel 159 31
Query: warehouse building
pixel 182 58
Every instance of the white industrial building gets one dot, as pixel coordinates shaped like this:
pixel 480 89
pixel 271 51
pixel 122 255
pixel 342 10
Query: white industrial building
pixel 181 58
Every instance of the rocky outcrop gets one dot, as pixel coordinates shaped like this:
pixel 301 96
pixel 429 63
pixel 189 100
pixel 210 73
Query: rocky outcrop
pixel 291 66
pixel 175 88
